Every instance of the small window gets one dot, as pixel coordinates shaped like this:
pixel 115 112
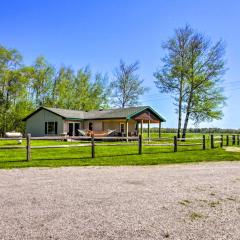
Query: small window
pixel 51 127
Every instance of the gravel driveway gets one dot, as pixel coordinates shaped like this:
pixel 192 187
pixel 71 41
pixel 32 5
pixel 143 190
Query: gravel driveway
pixel 197 201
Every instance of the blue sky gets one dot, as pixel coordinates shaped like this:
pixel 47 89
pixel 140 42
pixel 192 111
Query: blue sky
pixel 99 33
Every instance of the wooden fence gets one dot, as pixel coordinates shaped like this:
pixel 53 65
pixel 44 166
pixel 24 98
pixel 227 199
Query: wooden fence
pixel 92 142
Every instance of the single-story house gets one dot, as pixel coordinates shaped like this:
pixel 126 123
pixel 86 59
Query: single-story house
pixel 129 121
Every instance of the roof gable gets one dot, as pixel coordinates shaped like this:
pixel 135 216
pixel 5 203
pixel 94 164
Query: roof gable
pixel 147 113
pixel 64 113
pixel 36 111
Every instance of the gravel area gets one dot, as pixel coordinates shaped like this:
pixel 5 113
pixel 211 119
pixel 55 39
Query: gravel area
pixel 194 201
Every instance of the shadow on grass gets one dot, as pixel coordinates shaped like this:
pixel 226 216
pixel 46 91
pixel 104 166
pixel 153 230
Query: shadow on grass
pixel 81 158
pixel 59 159
pixel 89 159
pixel 172 151
pixel 13 161
pixel 114 155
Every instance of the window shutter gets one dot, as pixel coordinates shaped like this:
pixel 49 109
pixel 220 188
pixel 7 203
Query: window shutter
pixel 56 127
pixel 46 127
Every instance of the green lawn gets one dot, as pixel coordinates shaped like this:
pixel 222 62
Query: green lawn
pixel 111 156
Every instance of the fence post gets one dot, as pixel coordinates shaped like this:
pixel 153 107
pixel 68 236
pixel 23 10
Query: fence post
pixel 93 146
pixel 227 140
pixel 233 139
pixel 204 142
pixel 140 144
pixel 28 147
pixel 175 143
pixel 221 143
pixel 212 141
pixel 238 140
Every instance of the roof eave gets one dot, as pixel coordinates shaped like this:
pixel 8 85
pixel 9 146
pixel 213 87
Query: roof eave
pixel 28 116
pixel 39 109
pixel 66 118
pixel 87 119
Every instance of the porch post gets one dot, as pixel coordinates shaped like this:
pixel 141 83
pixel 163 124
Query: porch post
pixel 159 130
pixel 148 129
pixel 127 130
pixel 141 127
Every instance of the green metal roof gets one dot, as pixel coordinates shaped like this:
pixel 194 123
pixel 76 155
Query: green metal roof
pixel 125 113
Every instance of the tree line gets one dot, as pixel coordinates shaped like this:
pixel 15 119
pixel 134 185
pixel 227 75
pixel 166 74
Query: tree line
pixel 191 72
pixel 25 88
pixel 196 130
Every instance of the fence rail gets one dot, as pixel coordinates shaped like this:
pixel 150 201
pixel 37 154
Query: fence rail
pixel 159 144
pixel 184 139
pixel 83 138
pixel 20 138
pixel 190 144
pixel 157 139
pixel 128 141
pixel 61 146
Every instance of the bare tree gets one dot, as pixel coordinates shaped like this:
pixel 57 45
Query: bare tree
pixel 126 86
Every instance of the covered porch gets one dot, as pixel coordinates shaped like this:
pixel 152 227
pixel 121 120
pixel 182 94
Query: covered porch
pixel 147 117
pixel 132 124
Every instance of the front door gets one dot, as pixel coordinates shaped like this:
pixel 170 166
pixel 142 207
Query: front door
pixel 70 129
pixel 76 128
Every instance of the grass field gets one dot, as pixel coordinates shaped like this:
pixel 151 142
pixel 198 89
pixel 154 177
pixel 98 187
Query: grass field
pixel 112 156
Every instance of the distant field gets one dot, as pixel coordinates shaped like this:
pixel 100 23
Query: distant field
pixel 113 155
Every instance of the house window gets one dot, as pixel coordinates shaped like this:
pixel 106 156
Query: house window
pixel 51 127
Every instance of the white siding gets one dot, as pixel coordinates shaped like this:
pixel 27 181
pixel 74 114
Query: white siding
pixel 66 125
pixel 97 125
pixel 115 125
pixel 36 123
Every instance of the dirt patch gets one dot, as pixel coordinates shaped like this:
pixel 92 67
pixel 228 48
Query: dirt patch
pixel 232 149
